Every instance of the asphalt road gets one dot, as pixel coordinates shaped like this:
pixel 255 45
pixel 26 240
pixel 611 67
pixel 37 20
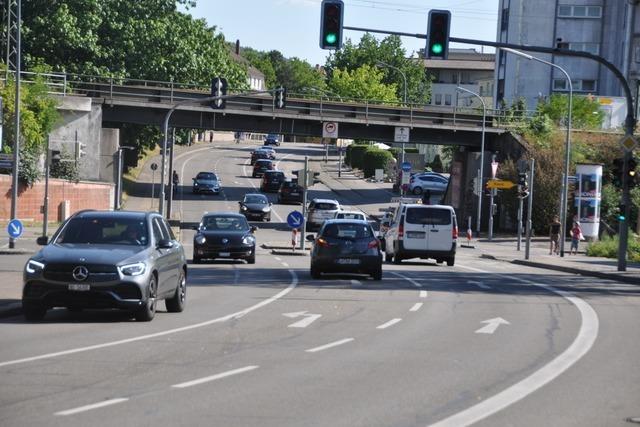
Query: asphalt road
pixel 483 342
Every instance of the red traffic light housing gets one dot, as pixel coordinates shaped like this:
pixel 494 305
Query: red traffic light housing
pixel 332 12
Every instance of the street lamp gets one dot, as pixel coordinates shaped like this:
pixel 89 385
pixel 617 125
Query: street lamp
pixel 324 92
pixel 484 119
pixel 404 77
pixel 118 195
pixel 567 154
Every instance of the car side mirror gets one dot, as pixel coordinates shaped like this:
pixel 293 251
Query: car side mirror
pixel 42 240
pixel 310 238
pixel 240 203
pixel 254 228
pixel 165 244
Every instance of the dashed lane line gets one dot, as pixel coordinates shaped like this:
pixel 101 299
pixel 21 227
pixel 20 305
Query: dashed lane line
pixel 215 377
pixel 389 323
pixel 417 306
pixel 92 406
pixel 330 345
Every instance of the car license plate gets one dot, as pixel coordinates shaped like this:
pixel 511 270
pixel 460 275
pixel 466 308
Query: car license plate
pixel 225 254
pixel 348 261
pixel 415 234
pixel 295 194
pixel 79 287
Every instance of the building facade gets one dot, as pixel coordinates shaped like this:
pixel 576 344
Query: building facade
pixel 608 28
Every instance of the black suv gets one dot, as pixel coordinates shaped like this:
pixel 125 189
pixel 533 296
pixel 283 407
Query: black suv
pixel 104 259
pixel 271 181
pixel 290 192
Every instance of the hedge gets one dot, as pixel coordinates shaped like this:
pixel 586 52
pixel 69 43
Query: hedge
pixel 375 158
pixel 356 156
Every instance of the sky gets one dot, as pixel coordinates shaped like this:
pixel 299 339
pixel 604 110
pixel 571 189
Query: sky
pixel 293 26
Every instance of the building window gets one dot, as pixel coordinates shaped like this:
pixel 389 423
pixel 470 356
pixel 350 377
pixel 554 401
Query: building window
pixel 447 99
pixel 504 21
pixel 588 85
pixel 568 11
pixel 438 99
pixel 593 48
pixel 560 85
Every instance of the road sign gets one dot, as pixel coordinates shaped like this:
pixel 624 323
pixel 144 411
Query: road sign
pixel 154 166
pixel 15 228
pixel 406 167
pixel 494 169
pixel 406 176
pixel 500 184
pixel 401 134
pixel 628 142
pixel 6 164
pixel 295 219
pixel 330 130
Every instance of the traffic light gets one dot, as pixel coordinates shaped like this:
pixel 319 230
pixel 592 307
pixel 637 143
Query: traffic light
pixel 312 178
pixel 632 175
pixel 280 97
pixel 218 88
pixel 54 157
pixel 331 24
pixel 522 179
pixel 486 190
pixel 621 212
pixel 80 150
pixel 438 34
pixel 299 177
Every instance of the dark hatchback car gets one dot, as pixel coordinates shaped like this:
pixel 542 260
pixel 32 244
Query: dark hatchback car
pixel 256 206
pixel 290 192
pixel 103 259
pixel 261 166
pixel 272 139
pixel 224 235
pixel 261 155
pixel 346 246
pixel 271 181
pixel 206 182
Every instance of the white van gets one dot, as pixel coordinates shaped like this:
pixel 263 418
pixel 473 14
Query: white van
pixel 422 231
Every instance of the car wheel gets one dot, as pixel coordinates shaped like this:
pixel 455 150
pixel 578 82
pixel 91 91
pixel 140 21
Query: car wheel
pixel 388 258
pixel 148 311
pixel 315 273
pixel 397 259
pixel 439 260
pixel 269 218
pixel 377 274
pixel 33 312
pixel 252 258
pixel 451 261
pixel 176 303
pixel 417 190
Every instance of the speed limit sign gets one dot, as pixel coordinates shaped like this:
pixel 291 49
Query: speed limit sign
pixel 330 130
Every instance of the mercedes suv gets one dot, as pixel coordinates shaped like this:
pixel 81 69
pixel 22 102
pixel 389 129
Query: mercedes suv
pixel 105 259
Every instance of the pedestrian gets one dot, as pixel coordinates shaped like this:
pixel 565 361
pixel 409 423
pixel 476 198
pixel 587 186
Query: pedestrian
pixel 576 236
pixel 554 235
pixel 176 181
pixel 426 197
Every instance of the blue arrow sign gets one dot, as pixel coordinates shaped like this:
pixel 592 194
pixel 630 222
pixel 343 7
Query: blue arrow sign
pixel 406 167
pixel 295 219
pixel 15 228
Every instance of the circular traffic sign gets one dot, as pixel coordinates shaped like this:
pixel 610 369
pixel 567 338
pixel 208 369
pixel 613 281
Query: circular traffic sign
pixel 330 127
pixel 406 167
pixel 15 228
pixel 154 166
pixel 295 219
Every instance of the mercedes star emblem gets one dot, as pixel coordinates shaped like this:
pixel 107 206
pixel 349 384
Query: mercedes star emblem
pixel 225 240
pixel 80 273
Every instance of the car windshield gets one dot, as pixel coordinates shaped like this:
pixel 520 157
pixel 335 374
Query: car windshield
pixel 347 231
pixel 325 206
pixel 224 223
pixel 207 176
pixel 105 230
pixel 432 216
pixel 256 199
pixel 349 215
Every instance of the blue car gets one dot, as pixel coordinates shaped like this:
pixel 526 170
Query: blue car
pixel 272 139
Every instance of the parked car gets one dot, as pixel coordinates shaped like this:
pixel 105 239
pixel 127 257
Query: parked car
pixel 206 182
pixel 261 166
pixel 422 231
pixel 433 182
pixel 346 246
pixel 350 215
pixel 224 235
pixel 272 139
pixel 259 155
pixel 290 192
pixel 271 181
pixel 107 259
pixel 319 211
pixel 255 206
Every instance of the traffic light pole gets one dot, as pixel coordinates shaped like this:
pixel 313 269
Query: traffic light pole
pixel 527 246
pixel 45 203
pixel 304 202
pixel 520 207
pixel 623 226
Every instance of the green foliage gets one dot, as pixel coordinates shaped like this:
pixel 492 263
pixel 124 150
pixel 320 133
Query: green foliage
pixel 585 111
pixel 67 168
pixel 362 83
pixel 356 156
pixel 608 248
pixel 375 158
pixel 29 171
pixel 369 51
pixel 436 164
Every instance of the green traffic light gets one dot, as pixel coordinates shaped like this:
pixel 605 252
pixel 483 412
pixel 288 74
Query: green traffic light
pixel 331 38
pixel 436 48
pixel 621 218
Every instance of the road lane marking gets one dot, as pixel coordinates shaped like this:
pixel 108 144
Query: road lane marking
pixel 278 258
pixel 356 282
pixel 215 377
pixel 236 315
pixel 579 347
pixel 410 280
pixel 389 323
pixel 479 284
pixel 423 294
pixel 330 345
pixel 492 325
pixel 309 318
pixel 285 264
pixel 92 406
pixel 417 306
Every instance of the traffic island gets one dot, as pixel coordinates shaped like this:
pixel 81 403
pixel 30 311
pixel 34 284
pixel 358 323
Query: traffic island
pixel 290 252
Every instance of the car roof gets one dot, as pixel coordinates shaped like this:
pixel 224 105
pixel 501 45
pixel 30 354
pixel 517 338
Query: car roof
pixel 345 221
pixel 255 194
pixel 112 214
pixel 274 171
pixel 263 161
pixel 352 213
pixel 419 205
pixel 223 213
pixel 325 201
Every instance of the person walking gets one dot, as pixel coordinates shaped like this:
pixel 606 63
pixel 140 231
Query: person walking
pixel 576 236
pixel 176 181
pixel 554 236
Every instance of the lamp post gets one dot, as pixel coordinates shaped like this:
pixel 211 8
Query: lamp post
pixel 404 77
pixel 324 92
pixel 118 195
pixel 567 154
pixel 484 120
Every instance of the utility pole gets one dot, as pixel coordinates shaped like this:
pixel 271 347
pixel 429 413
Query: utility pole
pixel 16 144
pixel 527 247
pixel 304 201
pixel 45 204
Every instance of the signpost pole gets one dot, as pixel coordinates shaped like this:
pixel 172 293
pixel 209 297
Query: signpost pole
pixel 45 206
pixel 520 207
pixel 304 203
pixel 493 191
pixel 529 209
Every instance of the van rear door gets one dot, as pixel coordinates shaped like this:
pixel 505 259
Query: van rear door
pixel 415 228
pixel 440 224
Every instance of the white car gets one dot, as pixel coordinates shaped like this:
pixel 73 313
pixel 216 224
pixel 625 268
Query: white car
pixel 350 215
pixel 319 211
pixel 433 182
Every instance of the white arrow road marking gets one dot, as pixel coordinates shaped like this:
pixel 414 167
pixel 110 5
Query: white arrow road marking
pixel 423 294
pixel 308 318
pixel 330 345
pixel 479 284
pixel 215 377
pixel 492 325
pixel 92 406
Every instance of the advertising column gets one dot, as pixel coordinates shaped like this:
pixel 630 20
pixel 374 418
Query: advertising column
pixel 588 199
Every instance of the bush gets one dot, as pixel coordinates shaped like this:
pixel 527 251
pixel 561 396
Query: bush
pixel 356 156
pixel 375 158
pixel 608 248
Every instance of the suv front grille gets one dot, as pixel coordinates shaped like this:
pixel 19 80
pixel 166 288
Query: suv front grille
pixel 63 272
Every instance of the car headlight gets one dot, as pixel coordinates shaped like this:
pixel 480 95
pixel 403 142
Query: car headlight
pixel 244 208
pixel 34 266
pixel 135 269
pixel 248 240
pixel 200 240
pixel 267 209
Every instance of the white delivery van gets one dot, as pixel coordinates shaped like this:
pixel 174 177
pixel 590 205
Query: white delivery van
pixel 422 231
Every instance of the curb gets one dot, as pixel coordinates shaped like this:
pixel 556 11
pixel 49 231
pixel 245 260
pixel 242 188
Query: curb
pixel 17 252
pixel 10 310
pixel 291 253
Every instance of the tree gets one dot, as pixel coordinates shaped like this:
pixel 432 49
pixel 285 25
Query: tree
pixel 362 83
pixel 585 111
pixel 369 51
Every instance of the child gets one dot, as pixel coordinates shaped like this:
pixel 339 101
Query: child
pixel 576 234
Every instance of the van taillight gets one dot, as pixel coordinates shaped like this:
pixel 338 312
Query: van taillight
pixel 401 228
pixel 454 233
